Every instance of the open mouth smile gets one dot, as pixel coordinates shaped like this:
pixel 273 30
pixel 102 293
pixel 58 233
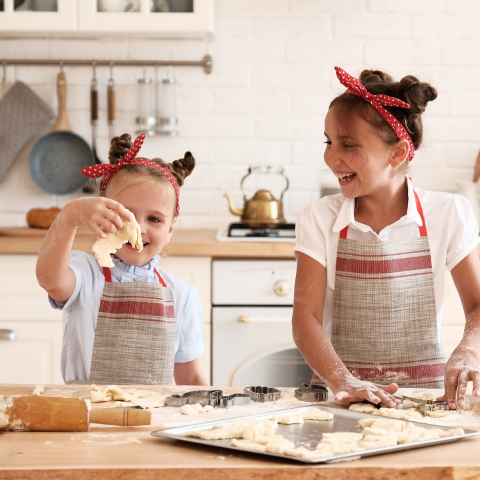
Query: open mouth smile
pixel 346 177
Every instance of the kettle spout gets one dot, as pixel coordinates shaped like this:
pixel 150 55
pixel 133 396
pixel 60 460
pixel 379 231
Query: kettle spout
pixel 233 209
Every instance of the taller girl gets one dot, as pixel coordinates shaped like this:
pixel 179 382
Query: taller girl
pixel 371 261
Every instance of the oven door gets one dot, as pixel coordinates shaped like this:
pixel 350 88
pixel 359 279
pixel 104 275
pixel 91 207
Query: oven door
pixel 254 346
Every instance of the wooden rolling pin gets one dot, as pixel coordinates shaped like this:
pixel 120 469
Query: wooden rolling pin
pixel 56 414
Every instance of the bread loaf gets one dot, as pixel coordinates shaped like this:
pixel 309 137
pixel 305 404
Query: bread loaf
pixel 42 217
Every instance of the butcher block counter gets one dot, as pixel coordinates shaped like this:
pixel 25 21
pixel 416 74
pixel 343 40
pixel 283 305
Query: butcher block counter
pixel 184 243
pixel 109 453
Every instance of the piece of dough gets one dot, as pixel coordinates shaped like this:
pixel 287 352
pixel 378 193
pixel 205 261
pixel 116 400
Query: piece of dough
pixel 195 409
pixel 394 425
pixel 227 431
pixel 103 247
pixel 131 396
pixel 417 435
pixel 401 414
pixel 382 442
pixel 317 414
pixel 288 419
pixel 257 431
pixel 441 413
pixel 362 407
pixel 339 448
pixel 341 437
pixel 247 444
pixel 38 390
pixel 279 445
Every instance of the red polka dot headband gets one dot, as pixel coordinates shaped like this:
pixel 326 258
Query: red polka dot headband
pixel 354 87
pixel 109 170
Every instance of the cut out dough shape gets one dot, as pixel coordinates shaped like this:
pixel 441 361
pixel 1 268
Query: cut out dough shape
pixel 362 407
pixel 131 396
pixel 247 444
pixel 393 425
pixel 441 413
pixel 279 445
pixel 103 247
pixel 406 414
pixel 195 409
pixel 341 437
pixel 317 414
pixel 288 419
pixel 39 389
pixel 303 452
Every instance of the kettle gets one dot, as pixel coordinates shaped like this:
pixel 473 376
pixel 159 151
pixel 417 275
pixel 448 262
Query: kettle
pixel 262 210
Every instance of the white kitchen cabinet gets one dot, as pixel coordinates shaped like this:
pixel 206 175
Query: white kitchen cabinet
pixel 81 17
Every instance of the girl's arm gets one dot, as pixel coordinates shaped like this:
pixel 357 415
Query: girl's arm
pixel 189 373
pixel 315 346
pixel 464 363
pixel 100 215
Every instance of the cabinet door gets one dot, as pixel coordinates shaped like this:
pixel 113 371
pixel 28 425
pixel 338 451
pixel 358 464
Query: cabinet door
pixel 27 22
pixel 21 298
pixel 34 356
pixel 145 21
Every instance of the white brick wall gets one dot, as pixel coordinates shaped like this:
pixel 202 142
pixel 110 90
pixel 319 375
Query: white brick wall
pixel 266 99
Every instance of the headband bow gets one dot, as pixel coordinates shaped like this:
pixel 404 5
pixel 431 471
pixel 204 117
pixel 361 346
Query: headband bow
pixel 96 171
pixel 354 87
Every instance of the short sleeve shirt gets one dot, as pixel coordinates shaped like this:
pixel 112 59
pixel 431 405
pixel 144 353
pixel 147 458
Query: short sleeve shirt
pixel 451 227
pixel 81 310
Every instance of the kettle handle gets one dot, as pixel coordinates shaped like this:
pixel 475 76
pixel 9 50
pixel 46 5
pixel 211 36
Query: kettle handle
pixel 265 169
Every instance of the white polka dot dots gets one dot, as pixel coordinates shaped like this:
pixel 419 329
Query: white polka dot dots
pixel 109 171
pixel 354 87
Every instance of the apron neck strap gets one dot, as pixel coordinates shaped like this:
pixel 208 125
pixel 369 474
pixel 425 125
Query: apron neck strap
pixel 422 229
pixel 160 279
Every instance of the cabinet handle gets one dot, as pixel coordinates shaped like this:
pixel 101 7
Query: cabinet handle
pixel 6 334
pixel 281 288
pixel 245 319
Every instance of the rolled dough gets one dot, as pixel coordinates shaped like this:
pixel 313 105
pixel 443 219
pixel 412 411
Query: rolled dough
pixel 317 414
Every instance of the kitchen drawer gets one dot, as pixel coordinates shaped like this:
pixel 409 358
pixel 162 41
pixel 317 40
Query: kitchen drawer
pixel 253 282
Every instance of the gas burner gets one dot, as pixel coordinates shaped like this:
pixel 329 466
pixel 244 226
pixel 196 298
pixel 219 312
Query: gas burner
pixel 283 230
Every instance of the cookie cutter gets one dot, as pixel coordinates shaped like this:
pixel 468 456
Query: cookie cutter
pixel 311 393
pixel 425 406
pixel 263 394
pixel 213 398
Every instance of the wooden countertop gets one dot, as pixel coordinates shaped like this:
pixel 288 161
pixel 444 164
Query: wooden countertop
pixel 109 453
pixel 184 243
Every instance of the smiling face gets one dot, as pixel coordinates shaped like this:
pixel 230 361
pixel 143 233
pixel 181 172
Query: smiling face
pixel 360 159
pixel 153 204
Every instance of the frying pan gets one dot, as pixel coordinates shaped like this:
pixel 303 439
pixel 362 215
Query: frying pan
pixel 57 159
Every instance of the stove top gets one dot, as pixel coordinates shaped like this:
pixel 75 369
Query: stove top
pixel 240 232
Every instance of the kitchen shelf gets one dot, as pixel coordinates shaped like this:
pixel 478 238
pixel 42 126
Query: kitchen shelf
pixel 80 18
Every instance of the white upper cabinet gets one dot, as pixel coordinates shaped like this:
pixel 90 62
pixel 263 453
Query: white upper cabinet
pixel 146 18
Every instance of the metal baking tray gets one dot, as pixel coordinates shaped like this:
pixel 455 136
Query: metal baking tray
pixel 310 433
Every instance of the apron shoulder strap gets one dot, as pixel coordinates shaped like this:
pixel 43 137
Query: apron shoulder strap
pixel 107 274
pixel 160 279
pixel 343 233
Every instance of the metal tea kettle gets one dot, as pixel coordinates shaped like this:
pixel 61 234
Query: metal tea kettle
pixel 262 210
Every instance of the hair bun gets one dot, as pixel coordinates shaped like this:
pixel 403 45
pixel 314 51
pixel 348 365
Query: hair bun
pixel 416 93
pixel 374 77
pixel 182 168
pixel 119 147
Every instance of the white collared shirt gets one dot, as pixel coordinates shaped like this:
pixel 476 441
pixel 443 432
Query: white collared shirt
pixel 451 227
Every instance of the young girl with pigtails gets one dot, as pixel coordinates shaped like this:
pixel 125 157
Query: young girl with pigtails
pixel 371 261
pixel 133 323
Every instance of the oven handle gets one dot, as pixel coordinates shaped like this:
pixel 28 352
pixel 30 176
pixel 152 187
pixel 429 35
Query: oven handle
pixel 248 319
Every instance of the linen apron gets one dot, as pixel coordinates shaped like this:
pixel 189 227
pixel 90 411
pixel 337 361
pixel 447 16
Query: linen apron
pixel 384 324
pixel 135 334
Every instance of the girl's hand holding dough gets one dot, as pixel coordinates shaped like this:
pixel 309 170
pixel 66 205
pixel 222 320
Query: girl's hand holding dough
pixel 350 389
pixel 99 215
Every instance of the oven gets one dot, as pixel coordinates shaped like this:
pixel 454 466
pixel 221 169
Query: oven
pixel 252 343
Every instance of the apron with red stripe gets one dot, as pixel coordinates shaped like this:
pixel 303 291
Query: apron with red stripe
pixel 384 324
pixel 135 334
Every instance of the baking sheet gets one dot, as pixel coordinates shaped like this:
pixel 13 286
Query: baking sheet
pixel 310 433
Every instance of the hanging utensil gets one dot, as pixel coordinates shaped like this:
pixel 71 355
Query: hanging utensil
pixel 111 105
pixel 91 183
pixel 58 158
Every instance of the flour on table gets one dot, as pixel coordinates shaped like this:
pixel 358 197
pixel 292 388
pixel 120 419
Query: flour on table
pixel 39 389
pixel 317 414
pixel 195 409
pixel 288 419
pixel 103 247
pixel 88 403
pixel 130 396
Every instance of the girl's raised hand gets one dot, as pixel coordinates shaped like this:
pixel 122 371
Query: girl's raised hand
pixel 99 215
pixel 352 389
pixel 462 367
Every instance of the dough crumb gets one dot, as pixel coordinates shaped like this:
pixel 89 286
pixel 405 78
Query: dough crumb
pixel 39 389
pixel 195 409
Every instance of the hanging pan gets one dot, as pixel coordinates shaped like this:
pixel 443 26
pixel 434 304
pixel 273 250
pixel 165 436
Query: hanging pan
pixel 57 159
